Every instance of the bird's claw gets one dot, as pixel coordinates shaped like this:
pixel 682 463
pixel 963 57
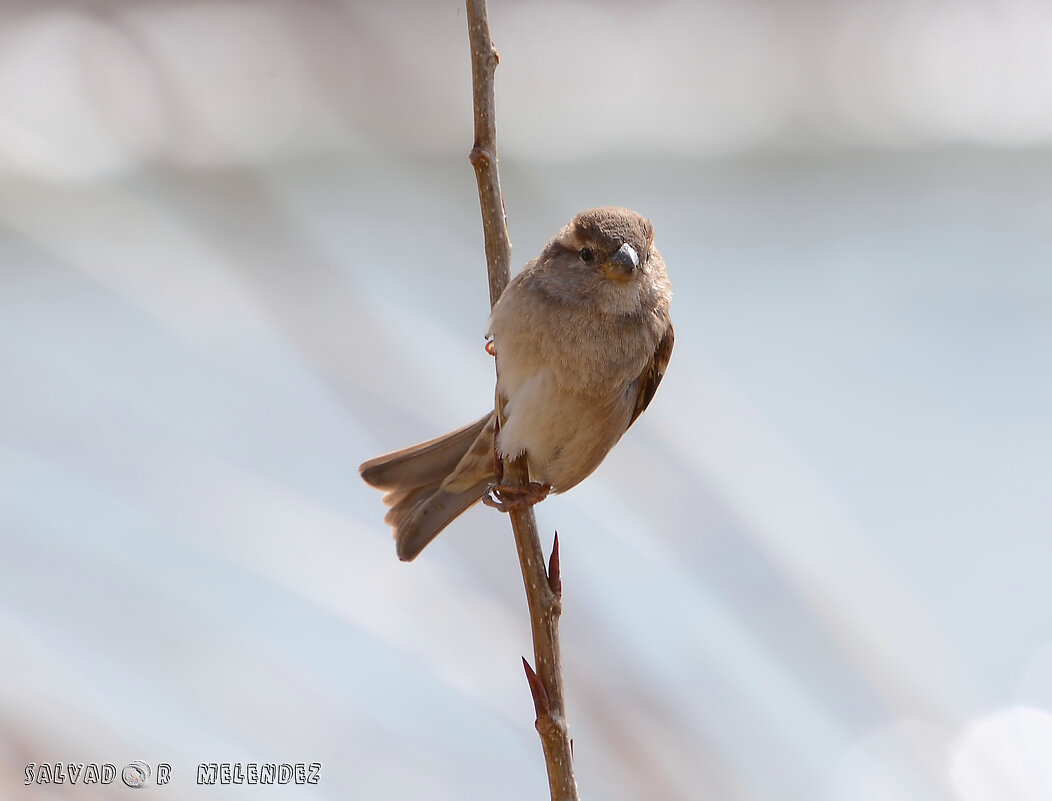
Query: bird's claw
pixel 509 497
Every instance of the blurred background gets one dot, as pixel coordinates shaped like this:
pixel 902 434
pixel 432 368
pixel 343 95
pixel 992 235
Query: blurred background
pixel 240 252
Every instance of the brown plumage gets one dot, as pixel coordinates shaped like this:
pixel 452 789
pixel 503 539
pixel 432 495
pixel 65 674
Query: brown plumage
pixel 582 338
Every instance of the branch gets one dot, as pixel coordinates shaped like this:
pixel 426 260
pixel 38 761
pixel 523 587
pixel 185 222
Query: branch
pixel 483 155
pixel 543 587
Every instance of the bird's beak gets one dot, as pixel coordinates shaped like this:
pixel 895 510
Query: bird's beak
pixel 622 265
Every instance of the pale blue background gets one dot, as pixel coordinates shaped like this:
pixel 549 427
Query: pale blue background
pixel 240 253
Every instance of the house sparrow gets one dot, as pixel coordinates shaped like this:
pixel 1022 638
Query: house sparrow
pixel 582 337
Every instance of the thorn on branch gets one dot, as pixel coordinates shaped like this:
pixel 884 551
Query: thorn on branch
pixel 555 579
pixel 540 695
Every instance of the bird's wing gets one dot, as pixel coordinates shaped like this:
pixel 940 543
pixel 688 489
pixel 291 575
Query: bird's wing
pixel 648 380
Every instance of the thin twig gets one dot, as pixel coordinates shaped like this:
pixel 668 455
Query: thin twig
pixel 543 587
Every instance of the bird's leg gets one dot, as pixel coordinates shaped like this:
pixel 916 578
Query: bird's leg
pixel 498 460
pixel 506 497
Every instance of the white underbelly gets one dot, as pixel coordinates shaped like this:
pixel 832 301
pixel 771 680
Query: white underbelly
pixel 565 433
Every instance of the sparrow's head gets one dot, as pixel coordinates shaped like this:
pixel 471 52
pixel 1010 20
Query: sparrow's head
pixel 611 241
pixel 606 256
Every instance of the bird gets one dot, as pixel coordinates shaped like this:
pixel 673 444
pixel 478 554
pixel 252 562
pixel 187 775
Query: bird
pixel 582 338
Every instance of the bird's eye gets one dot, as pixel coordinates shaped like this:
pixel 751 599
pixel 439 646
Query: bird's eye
pixel 587 256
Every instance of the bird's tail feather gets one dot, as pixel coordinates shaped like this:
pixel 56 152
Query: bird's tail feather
pixel 416 526
pixel 424 463
pixel 430 484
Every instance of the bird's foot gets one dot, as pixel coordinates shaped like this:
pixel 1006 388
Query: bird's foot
pixel 508 497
